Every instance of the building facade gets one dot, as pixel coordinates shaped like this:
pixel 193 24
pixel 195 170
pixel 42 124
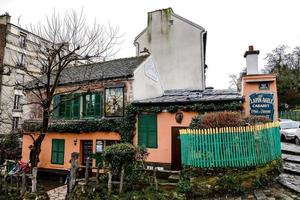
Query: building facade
pixel 16 45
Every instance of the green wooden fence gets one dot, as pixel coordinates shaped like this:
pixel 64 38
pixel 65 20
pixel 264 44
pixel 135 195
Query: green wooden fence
pixel 291 114
pixel 230 146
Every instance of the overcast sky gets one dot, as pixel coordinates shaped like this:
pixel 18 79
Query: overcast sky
pixel 231 25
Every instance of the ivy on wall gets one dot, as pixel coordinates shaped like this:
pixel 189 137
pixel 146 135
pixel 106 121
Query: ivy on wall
pixel 126 125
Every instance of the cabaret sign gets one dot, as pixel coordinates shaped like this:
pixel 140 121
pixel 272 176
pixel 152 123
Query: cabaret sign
pixel 262 104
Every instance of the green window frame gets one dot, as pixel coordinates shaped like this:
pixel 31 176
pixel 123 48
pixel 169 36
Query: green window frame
pixel 67 106
pixel 58 151
pixel 92 104
pixel 147 130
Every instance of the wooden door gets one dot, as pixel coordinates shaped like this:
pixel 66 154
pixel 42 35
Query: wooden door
pixel 86 150
pixel 176 149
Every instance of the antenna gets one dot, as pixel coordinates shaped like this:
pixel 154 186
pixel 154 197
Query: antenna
pixel 19 18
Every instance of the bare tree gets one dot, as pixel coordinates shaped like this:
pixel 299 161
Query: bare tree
pixel 64 41
pixel 236 80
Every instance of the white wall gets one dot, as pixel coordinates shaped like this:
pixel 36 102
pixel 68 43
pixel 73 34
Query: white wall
pixel 177 49
pixel 146 82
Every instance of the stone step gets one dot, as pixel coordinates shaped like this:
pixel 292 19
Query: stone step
pixel 291 168
pixel 259 195
pixel 289 148
pixel 290 181
pixel 291 158
pixel 174 178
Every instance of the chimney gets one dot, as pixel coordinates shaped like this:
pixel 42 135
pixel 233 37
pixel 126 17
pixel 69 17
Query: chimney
pixel 159 22
pixel 251 60
pixel 5 18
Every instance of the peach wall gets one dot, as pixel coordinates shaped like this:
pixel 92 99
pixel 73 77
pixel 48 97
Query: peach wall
pixel 251 85
pixel 45 156
pixel 165 122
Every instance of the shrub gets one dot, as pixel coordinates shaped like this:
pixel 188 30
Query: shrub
pixel 119 154
pixel 252 120
pixel 217 119
pixel 225 119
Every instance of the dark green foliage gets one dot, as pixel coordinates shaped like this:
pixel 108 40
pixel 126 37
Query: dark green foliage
pixel 198 182
pixel 10 147
pixel 286 66
pixel 119 154
pixel 98 192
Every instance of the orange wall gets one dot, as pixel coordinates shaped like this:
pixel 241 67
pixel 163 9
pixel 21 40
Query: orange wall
pixel 165 122
pixel 45 156
pixel 251 85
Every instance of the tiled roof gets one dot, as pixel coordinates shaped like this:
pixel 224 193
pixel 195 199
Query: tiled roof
pixel 119 68
pixel 189 96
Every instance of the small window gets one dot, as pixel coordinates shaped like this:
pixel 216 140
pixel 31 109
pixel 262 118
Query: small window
pixel 21 60
pixel 58 151
pixel 15 123
pixel 22 42
pixel 17 100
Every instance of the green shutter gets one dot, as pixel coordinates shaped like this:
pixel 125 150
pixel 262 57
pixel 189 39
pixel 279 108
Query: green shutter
pixel 151 130
pixel 84 105
pixel 76 106
pixel 56 102
pixel 142 131
pixel 147 130
pixel 98 105
pixel 58 151
pixel 68 105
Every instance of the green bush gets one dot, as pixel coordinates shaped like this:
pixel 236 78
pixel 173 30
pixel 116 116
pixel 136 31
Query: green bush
pixel 119 154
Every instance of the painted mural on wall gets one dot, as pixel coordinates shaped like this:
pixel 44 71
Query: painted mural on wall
pixel 262 104
pixel 114 102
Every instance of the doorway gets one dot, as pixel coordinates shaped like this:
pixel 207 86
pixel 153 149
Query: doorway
pixel 176 149
pixel 86 150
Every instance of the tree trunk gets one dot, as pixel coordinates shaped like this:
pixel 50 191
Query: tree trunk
pixel 36 150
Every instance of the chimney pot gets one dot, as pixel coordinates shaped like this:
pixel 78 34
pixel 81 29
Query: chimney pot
pixel 251 60
pixel 251 48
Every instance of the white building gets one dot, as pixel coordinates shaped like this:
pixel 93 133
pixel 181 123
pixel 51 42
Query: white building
pixel 177 47
pixel 16 54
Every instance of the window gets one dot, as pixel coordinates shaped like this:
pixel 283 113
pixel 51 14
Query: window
pixel 147 130
pixel 58 151
pixel 15 123
pixel 17 101
pixel 92 105
pixel 22 41
pixel 21 60
pixel 67 106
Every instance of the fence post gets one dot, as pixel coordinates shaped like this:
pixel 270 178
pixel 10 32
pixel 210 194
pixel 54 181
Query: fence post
pixel 1 180
pixel 73 171
pixel 17 178
pixel 122 179
pixel 87 166
pixel 154 178
pixel 34 181
pixel 98 173
pixel 23 187
pixel 109 184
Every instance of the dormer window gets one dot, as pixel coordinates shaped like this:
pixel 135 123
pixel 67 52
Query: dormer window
pixel 22 41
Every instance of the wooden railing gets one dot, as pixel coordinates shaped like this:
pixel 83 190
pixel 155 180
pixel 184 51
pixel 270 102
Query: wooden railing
pixel 230 146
